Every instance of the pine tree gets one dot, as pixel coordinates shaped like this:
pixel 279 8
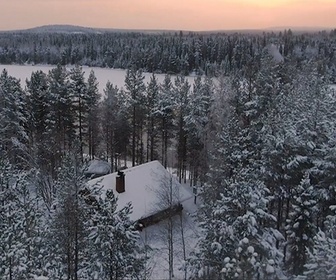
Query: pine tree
pixel 164 111
pixel 60 119
pixel 38 102
pixel 79 97
pixel 93 98
pixel 152 120
pixel 181 92
pixel 136 89
pixel 114 251
pixel 115 126
pixel 196 120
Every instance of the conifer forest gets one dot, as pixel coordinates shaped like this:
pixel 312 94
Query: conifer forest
pixel 255 131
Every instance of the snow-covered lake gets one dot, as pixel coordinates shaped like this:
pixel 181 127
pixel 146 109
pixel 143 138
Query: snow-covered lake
pixel 115 76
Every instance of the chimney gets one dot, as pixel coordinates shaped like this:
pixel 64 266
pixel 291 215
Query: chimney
pixel 120 182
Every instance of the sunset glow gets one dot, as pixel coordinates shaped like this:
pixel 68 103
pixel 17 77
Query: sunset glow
pixel 170 14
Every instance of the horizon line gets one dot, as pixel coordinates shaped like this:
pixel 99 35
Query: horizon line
pixel 274 28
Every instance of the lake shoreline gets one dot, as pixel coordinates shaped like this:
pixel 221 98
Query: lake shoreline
pixel 103 75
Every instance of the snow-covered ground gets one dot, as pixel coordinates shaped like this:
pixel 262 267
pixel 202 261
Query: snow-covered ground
pixel 156 236
pixel 115 76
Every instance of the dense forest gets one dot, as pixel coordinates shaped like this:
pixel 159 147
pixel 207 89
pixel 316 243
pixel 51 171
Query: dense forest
pixel 172 53
pixel 257 135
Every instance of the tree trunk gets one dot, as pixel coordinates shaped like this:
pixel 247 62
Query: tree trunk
pixel 183 247
pixel 133 137
pixel 152 140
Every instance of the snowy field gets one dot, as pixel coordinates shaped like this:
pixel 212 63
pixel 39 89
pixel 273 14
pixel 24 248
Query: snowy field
pixel 115 76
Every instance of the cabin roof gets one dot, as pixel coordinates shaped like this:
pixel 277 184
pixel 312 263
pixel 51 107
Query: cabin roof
pixel 147 187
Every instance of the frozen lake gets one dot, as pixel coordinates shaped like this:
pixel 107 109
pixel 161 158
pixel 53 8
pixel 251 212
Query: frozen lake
pixel 115 76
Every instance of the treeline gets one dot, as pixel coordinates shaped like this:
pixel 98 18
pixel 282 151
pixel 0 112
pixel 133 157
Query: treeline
pixel 178 53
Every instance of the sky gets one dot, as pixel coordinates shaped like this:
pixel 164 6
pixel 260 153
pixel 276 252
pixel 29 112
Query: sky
pixel 194 15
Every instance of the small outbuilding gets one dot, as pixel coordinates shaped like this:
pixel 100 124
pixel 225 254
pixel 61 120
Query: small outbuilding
pixel 97 168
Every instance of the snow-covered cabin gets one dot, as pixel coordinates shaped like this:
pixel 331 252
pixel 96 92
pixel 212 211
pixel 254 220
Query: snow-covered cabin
pixel 152 190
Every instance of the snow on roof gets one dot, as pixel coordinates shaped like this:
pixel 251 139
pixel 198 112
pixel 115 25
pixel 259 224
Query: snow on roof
pixel 99 167
pixel 147 187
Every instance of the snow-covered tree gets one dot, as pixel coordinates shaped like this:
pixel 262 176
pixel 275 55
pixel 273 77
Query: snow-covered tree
pixel 301 228
pixel 239 240
pixel 114 251
pixel 39 106
pixel 60 130
pixel 13 119
pixel 321 262
pixel 196 122
pixel 115 126
pixel 93 98
pixel 152 120
pixel 238 244
pixel 79 98
pixel 135 88
pixel 66 231
pixel 164 111
pixel 181 91
pixel 21 252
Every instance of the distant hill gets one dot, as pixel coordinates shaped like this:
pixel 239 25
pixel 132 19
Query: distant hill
pixel 73 29
pixel 61 29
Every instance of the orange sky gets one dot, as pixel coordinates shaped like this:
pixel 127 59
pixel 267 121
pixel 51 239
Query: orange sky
pixel 169 14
